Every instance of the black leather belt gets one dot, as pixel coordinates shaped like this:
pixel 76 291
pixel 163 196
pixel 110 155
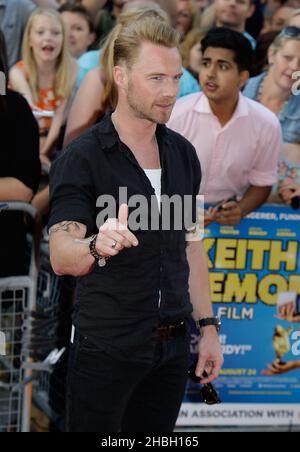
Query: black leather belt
pixel 165 333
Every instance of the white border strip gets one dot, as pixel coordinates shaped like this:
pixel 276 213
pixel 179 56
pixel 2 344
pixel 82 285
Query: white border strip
pixel 195 414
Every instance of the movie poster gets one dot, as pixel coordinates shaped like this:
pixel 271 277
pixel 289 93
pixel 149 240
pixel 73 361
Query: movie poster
pixel 254 271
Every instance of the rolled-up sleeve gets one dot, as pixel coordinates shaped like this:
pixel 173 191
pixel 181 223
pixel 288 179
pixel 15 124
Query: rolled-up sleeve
pixel 71 191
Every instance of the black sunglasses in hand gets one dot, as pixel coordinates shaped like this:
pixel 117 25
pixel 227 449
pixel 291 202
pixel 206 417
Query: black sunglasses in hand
pixel 291 31
pixel 208 393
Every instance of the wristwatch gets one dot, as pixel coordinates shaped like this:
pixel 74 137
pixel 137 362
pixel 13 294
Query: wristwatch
pixel 209 321
pixel 101 261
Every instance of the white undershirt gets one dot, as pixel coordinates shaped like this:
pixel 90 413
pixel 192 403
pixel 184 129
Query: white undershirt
pixel 154 175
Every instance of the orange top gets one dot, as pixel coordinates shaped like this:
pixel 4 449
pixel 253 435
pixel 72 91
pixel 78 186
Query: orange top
pixel 47 101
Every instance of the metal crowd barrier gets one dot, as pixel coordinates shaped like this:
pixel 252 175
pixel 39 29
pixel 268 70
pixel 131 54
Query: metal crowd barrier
pixel 17 300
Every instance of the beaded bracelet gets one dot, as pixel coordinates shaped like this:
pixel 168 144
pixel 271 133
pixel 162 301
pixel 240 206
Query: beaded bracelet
pixel 101 260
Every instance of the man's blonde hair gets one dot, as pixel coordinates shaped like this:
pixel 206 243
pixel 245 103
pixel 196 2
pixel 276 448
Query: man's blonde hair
pixel 123 43
pixel 65 77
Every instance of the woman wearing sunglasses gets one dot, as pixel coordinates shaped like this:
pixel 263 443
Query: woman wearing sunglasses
pixel 275 89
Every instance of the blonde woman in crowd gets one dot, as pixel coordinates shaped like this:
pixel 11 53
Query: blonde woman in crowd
pixel 274 89
pixel 46 76
pixel 191 51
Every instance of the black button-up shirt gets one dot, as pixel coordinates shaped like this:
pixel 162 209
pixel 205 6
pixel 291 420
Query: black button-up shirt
pixel 118 306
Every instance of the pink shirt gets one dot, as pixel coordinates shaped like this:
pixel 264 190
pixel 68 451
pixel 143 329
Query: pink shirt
pixel 245 152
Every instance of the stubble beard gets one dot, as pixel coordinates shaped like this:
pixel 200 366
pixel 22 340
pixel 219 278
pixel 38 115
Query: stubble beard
pixel 141 112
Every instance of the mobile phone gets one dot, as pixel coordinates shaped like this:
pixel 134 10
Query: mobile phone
pixel 219 207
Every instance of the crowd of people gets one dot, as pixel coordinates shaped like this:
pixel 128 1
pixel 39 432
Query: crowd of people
pixel 55 55
pixel 236 98
pixel 56 60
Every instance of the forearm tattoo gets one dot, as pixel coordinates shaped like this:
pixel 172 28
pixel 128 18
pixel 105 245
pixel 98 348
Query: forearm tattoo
pixel 66 226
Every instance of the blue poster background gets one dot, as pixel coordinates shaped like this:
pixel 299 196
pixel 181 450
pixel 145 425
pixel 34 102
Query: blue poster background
pixel 248 325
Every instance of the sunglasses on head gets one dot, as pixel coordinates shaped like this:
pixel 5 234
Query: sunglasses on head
pixel 292 32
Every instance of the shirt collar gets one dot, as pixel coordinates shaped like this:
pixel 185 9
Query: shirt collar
pixel 242 109
pixel 107 132
pixel 109 136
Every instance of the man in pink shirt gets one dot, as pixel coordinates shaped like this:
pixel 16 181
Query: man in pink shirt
pixel 238 141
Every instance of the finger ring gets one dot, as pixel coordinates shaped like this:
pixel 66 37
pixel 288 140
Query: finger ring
pixel 114 244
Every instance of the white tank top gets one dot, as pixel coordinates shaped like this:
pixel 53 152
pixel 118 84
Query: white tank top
pixel 154 175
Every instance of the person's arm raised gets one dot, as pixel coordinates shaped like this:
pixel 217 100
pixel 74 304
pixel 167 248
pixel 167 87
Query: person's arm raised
pixel 19 83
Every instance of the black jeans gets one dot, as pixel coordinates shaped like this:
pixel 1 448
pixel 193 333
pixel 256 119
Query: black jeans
pixel 105 394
